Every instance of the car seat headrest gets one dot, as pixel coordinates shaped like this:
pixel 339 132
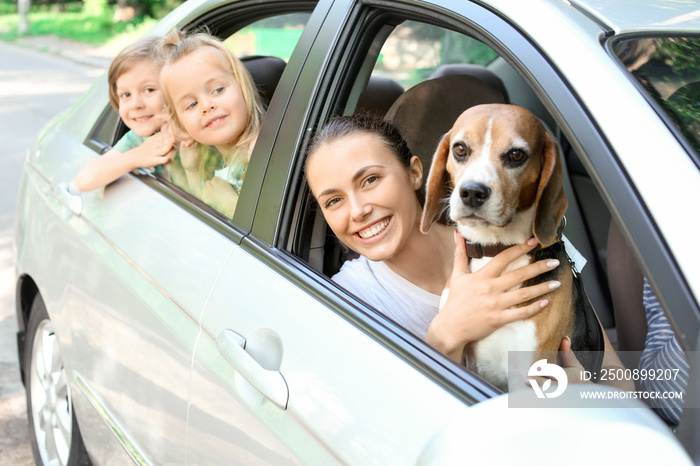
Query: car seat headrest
pixel 378 96
pixel 480 72
pixel 266 72
pixel 425 112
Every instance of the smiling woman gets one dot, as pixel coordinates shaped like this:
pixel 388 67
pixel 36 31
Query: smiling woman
pixel 373 206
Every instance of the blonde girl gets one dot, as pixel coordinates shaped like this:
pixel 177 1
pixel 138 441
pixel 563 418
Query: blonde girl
pixel 211 96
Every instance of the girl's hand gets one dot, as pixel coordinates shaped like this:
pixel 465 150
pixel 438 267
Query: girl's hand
pixel 189 156
pixel 220 195
pixel 182 138
pixel 482 302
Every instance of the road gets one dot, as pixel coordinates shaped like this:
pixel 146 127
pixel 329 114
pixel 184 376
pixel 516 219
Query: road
pixel 34 87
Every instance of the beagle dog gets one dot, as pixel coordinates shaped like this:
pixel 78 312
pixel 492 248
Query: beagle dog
pixel 500 171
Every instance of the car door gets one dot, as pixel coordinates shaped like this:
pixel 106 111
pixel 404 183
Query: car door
pixel 289 368
pixel 155 252
pixel 133 270
pixel 124 275
pixel 127 270
pixel 292 369
pixel 266 321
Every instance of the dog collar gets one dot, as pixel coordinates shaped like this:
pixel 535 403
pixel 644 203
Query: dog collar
pixel 477 250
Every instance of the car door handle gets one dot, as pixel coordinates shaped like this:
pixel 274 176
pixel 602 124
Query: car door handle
pixel 69 197
pixel 270 383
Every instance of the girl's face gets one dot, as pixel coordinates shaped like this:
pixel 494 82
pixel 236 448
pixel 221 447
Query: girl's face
pixel 140 99
pixel 207 99
pixel 367 196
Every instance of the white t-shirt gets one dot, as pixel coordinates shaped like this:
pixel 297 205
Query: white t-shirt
pixel 397 298
pixel 394 296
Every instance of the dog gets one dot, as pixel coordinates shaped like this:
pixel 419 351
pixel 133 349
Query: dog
pixel 500 170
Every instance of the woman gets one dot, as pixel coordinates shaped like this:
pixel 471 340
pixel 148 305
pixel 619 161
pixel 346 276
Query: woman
pixel 374 205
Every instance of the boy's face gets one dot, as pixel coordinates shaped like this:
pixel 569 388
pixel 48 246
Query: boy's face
pixel 140 100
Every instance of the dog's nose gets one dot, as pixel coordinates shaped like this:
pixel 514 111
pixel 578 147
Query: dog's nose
pixel 474 194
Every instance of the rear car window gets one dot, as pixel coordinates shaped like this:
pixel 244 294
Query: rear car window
pixel 414 50
pixel 668 68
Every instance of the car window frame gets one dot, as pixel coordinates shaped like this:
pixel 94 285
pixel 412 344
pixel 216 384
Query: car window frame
pixel 225 19
pixel 610 47
pixel 271 237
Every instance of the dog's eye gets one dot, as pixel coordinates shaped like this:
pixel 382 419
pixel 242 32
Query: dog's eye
pixel 461 151
pixel 516 155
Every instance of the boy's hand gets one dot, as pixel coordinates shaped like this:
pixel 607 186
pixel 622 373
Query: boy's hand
pixel 155 150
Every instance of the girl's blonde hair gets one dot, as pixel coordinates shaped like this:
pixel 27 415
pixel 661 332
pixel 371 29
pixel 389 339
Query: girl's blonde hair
pixel 145 49
pixel 179 44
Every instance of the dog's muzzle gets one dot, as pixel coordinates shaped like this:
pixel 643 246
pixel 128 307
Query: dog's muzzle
pixel 474 194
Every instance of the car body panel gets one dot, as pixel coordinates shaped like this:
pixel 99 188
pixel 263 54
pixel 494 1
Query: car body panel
pixel 332 415
pixel 521 428
pixel 135 271
pixel 576 46
pixel 148 292
pixel 626 16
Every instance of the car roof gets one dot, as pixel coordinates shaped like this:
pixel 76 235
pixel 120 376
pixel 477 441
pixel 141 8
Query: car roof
pixel 628 16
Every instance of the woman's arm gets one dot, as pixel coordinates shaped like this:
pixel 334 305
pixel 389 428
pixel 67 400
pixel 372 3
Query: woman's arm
pixel 482 302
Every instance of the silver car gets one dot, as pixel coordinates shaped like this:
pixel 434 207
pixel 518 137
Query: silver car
pixel 153 329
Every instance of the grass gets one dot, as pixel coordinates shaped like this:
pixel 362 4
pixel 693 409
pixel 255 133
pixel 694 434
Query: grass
pixel 92 27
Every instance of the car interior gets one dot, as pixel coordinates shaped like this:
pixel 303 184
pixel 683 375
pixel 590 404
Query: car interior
pixel 424 102
pixel 425 110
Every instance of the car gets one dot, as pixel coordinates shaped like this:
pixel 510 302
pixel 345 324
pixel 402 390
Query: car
pixel 154 329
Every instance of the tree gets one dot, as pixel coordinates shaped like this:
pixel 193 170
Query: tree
pixel 23 11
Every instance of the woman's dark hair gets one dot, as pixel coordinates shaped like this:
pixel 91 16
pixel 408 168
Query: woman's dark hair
pixel 341 126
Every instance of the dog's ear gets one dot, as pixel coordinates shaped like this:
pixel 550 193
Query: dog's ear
pixel 550 202
pixel 436 189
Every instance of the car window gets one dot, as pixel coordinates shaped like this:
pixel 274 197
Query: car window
pixel 668 68
pixel 215 175
pixel 276 36
pixel 414 51
pixel 456 69
pixel 211 176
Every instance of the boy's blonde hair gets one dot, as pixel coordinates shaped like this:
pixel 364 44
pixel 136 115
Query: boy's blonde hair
pixel 145 49
pixel 179 44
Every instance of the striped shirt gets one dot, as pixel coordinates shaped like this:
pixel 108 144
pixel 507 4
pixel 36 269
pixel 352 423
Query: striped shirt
pixel 662 351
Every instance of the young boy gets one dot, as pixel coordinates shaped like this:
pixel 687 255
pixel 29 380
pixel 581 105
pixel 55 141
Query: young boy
pixel 134 91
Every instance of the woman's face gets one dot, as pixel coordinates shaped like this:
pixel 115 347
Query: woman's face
pixel 366 195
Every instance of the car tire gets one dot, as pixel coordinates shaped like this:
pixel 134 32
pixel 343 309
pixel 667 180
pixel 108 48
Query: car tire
pixel 53 427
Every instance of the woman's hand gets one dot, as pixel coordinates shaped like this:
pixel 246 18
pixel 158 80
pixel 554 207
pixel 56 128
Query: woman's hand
pixel 482 302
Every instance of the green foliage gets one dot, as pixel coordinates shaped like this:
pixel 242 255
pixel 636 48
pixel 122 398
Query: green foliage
pixel 160 8
pixel 9 7
pixel 680 54
pixel 96 8
pixel 92 24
